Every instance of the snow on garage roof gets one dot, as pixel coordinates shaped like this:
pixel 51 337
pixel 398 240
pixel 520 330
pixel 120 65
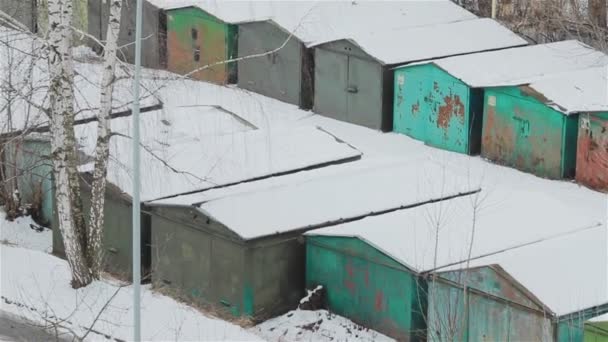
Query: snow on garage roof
pixel 577 91
pixel 521 65
pixel 504 218
pixel 196 149
pixel 310 202
pixel 435 41
pixel 315 22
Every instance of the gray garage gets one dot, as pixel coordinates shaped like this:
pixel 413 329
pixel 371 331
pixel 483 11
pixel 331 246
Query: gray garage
pixel 154 31
pixel 201 259
pixel 353 78
pixel 286 75
pixel 117 232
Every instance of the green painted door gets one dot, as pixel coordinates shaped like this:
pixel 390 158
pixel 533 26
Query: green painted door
pixel 364 89
pixel 521 132
pixel 432 106
pixel 331 78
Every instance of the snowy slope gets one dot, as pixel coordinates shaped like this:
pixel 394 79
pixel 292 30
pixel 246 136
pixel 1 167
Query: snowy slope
pixel 41 281
pixel 19 233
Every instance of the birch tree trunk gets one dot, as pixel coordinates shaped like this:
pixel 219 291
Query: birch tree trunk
pixel 102 150
pixel 63 142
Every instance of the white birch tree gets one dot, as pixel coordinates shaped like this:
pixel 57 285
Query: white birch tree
pixel 63 142
pixel 82 242
pixel 102 149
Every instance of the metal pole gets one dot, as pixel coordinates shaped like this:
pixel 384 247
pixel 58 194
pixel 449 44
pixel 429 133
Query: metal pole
pixel 494 4
pixel 136 180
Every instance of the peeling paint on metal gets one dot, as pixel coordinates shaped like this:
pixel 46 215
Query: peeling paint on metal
pixel 386 297
pixel 522 132
pixel 432 106
pixel 196 39
pixel 592 151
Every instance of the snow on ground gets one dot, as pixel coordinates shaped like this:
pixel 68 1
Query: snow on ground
pixel 321 325
pixel 20 233
pixel 41 281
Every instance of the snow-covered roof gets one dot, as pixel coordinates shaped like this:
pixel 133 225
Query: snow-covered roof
pixel 521 65
pixel 434 41
pixel 310 202
pixel 566 272
pixel 316 22
pixel 197 149
pixel 577 91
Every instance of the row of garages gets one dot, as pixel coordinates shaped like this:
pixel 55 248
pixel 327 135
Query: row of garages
pixel 428 70
pixel 539 108
pixel 389 257
pixel 375 236
pixel 389 242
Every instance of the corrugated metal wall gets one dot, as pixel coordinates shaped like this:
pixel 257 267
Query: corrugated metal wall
pixel 494 309
pixel 276 275
pixel 21 10
pixel 277 75
pixel 28 161
pixel 596 332
pixel 349 86
pixel 117 234
pixel 197 259
pixel 201 259
pixel 154 31
pixel 196 39
pixel 592 152
pixel 432 106
pixel 522 132
pixel 366 286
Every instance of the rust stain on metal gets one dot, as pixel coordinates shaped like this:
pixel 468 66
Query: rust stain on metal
pixel 379 301
pixel 592 160
pixel 350 285
pixel 498 142
pixel 452 106
pixel 416 108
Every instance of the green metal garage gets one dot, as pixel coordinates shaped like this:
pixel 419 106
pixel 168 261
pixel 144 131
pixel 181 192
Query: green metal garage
pixel 447 272
pixel 441 102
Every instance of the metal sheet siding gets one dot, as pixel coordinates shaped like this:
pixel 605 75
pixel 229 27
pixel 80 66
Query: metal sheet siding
pixel 592 151
pixel 486 318
pixel 522 132
pixel 277 75
pixel 22 11
pixel 331 77
pixel 117 236
pixel 364 93
pixel 348 85
pixel 278 275
pixel 194 261
pixel 366 286
pixel 596 332
pixel 33 172
pixel 432 106
pixel 194 34
pixel 570 331
pixel 153 47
